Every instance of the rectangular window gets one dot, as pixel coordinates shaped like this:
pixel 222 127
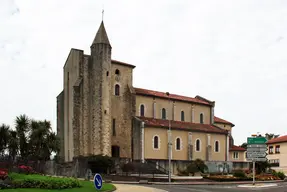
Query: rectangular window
pixel 277 149
pixel 270 149
pixel 235 155
pixel 114 127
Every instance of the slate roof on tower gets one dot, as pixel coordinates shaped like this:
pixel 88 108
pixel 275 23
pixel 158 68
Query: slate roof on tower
pixel 101 36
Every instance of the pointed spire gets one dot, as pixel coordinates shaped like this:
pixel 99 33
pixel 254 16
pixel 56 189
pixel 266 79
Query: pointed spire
pixel 101 36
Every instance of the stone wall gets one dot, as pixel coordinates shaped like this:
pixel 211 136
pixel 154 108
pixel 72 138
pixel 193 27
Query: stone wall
pixel 60 122
pixel 213 166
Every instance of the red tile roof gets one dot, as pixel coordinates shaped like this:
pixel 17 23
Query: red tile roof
pixel 219 120
pixel 196 127
pixel 281 139
pixel 236 148
pixel 122 63
pixel 146 92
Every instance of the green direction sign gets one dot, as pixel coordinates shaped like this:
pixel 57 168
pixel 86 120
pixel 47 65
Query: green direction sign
pixel 256 140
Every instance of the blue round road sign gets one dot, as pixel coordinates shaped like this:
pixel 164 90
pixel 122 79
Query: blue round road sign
pixel 98 181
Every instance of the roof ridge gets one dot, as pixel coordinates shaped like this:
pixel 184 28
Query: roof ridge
pixel 171 96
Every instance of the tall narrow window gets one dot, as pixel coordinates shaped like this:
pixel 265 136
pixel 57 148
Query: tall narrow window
pixel 178 144
pixel 201 118
pixel 142 110
pixel 216 147
pixel 182 115
pixel 117 90
pixel 114 127
pixel 155 142
pixel 163 113
pixel 197 145
pixel 270 149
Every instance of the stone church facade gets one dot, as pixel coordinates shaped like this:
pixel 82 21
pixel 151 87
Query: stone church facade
pixel 100 112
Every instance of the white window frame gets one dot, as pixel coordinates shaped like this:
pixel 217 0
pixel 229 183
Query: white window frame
pixel 181 144
pixel 234 156
pixel 158 142
pixel 145 109
pixel 202 117
pixel 215 146
pixel 199 145
pixel 166 118
pixel 183 115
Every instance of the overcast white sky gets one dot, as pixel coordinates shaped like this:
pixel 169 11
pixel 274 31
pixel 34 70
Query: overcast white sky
pixel 232 52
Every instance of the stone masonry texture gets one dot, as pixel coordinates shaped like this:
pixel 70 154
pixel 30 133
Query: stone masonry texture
pixel 91 105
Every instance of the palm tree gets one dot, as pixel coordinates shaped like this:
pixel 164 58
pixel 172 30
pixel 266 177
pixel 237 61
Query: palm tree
pixel 22 128
pixel 42 140
pixel 13 145
pixel 4 137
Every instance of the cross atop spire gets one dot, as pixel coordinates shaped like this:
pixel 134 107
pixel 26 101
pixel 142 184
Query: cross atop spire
pixel 101 36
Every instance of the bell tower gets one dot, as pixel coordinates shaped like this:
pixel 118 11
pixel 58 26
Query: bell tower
pixel 100 98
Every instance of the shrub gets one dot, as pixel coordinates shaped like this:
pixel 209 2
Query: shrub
pixel 239 174
pixel 128 167
pixel 223 179
pixel 196 166
pixel 3 174
pixel 43 182
pixel 5 186
pixel 25 169
pixel 279 174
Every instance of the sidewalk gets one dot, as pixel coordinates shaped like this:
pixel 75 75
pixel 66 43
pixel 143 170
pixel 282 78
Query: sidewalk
pixel 135 188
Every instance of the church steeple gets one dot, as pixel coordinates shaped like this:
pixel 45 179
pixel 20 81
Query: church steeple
pixel 101 36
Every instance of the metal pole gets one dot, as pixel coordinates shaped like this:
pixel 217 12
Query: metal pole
pixel 253 173
pixel 169 145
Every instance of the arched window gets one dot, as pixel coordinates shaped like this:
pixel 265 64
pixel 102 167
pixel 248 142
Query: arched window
pixel 201 118
pixel 163 113
pixel 117 89
pixel 197 145
pixel 142 110
pixel 155 142
pixel 182 115
pixel 117 72
pixel 216 147
pixel 178 144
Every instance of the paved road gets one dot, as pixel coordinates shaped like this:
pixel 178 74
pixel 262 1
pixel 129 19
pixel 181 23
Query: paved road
pixel 282 187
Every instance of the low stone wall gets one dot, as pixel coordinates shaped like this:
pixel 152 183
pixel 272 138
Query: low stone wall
pixel 213 166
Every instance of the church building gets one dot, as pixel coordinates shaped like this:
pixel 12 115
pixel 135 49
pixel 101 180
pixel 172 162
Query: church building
pixel 99 111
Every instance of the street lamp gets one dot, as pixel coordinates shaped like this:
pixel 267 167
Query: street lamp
pixel 169 143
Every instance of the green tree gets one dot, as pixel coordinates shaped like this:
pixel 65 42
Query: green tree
pixel 270 136
pixel 244 145
pixel 4 138
pixel 22 128
pixel 197 165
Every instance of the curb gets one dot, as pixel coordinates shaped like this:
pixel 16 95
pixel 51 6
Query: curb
pixel 196 183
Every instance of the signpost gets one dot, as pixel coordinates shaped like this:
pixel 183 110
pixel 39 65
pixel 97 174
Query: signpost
pixel 98 181
pixel 256 151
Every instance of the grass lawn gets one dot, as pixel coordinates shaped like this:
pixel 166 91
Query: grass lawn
pixel 87 186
